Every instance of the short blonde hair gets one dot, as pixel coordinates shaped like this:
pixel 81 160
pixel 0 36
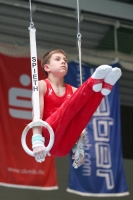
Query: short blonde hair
pixel 47 56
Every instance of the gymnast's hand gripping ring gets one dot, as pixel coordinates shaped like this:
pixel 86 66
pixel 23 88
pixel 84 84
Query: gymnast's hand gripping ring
pixel 38 122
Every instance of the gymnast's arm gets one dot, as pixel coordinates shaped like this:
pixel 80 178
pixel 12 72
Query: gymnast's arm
pixel 37 139
pixel 42 92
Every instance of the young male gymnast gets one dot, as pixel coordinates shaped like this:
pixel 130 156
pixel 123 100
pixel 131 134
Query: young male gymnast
pixel 68 109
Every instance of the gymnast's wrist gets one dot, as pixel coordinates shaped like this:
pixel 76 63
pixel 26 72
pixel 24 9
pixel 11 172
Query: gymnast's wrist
pixel 37 140
pixel 37 130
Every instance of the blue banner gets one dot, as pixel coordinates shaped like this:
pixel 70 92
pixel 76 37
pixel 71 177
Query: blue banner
pixel 102 173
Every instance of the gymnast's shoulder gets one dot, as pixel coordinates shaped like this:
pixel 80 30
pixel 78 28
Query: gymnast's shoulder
pixel 42 86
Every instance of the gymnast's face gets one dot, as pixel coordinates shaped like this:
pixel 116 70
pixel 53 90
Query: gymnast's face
pixel 57 65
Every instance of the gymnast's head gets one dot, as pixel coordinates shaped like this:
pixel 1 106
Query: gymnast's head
pixel 55 61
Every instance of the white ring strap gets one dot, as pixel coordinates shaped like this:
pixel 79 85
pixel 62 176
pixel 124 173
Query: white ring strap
pixel 34 71
pixel 35 94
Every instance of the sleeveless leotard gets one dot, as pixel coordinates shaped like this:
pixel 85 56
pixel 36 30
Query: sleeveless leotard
pixel 52 102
